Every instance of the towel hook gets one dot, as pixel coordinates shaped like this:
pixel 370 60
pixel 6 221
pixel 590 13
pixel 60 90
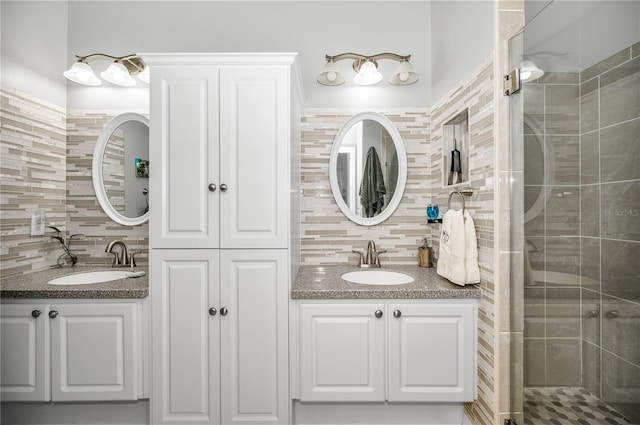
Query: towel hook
pixel 456 192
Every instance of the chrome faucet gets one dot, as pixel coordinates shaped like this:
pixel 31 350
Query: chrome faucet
pixel 372 257
pixel 121 259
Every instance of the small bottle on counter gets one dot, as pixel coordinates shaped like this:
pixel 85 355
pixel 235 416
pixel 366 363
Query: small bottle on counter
pixel 424 254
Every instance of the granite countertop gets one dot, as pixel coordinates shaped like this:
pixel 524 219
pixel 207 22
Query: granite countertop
pixel 324 282
pixel 34 285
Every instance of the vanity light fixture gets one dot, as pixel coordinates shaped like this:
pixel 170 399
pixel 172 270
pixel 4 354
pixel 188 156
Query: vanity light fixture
pixel 366 68
pixel 119 72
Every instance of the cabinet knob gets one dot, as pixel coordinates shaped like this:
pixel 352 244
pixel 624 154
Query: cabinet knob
pixel 36 313
pixel 224 311
pixel 212 311
pixel 397 313
pixel 378 313
pixel 223 187
pixel 212 187
pixel 53 314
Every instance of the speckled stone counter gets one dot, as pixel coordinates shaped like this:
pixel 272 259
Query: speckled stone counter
pixel 324 282
pixel 34 285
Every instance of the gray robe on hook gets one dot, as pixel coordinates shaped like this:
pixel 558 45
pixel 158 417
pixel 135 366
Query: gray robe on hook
pixel 372 189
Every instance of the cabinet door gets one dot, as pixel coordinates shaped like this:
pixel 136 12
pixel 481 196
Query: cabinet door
pixel 342 352
pixel 184 155
pixel 185 337
pixel 254 153
pixel 431 352
pixel 25 353
pixel 94 352
pixel 254 336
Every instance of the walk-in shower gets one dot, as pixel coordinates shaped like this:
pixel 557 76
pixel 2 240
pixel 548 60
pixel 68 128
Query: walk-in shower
pixel 575 146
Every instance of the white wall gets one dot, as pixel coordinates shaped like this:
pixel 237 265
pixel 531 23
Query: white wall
pixel 311 28
pixel 34 48
pixel 461 37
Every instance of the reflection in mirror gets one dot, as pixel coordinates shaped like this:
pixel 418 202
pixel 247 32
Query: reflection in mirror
pixel 368 168
pixel 121 169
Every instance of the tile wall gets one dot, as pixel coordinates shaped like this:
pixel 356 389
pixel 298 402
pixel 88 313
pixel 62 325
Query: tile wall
pixel 84 214
pixel 610 229
pixel 32 176
pixel 327 236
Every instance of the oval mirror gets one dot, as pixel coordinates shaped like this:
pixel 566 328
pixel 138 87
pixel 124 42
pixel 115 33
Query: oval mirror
pixel 368 168
pixel 120 169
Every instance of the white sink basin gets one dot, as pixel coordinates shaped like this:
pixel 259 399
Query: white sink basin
pixel 377 277
pixel 93 277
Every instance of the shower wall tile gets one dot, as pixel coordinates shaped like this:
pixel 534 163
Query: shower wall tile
pixel 620 328
pixel 563 211
pixel 534 313
pixel 533 107
pixel 565 154
pixel 619 94
pixel 562 255
pixel 591 314
pixel 562 109
pixel 563 312
pixel 620 151
pixel 590 158
pixel 606 64
pixel 590 210
pixel 620 385
pixel 620 269
pixel 589 106
pixel 635 50
pixel 534 207
pixel 590 263
pixel 534 160
pixel 591 368
pixel 559 78
pixel 534 362
pixel 563 361
pixel 33 176
pixel 621 210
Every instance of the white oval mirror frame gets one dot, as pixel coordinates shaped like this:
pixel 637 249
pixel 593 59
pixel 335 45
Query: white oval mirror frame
pixel 96 169
pixel 402 169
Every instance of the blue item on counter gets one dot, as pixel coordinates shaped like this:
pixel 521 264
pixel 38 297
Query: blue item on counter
pixel 433 211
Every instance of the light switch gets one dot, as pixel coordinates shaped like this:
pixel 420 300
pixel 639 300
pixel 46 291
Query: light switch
pixel 37 222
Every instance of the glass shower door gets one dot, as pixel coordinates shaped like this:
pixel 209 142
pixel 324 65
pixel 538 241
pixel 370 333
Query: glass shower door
pixel 575 148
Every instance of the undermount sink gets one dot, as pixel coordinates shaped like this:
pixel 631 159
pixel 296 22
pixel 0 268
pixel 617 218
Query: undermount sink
pixel 377 277
pixel 94 277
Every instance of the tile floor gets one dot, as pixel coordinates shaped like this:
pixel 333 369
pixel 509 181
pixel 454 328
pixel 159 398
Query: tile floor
pixel 567 406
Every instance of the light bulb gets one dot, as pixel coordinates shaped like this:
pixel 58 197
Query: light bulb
pixel 404 76
pixel 525 75
pixel 331 76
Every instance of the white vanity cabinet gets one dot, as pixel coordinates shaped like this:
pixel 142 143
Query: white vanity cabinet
pixel 222 236
pixel 219 131
pixel 67 351
pixel 221 342
pixel 390 351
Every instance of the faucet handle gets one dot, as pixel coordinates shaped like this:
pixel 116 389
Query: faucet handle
pixel 377 256
pixel 132 257
pixel 361 256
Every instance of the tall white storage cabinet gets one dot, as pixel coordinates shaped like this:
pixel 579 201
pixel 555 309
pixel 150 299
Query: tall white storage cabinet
pixel 224 244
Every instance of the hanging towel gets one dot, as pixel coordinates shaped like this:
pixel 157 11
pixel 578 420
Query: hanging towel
pixel 458 254
pixel 372 188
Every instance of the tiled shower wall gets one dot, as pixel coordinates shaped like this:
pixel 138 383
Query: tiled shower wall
pixel 32 176
pixel 610 229
pixel 84 214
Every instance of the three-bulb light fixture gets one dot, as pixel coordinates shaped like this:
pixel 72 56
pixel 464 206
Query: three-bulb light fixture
pixel 366 68
pixel 120 72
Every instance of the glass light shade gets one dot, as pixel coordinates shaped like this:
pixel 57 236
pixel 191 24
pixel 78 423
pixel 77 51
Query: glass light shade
pixel 368 75
pixel 530 71
pixel 144 76
pixel 404 75
pixel 330 75
pixel 118 74
pixel 81 73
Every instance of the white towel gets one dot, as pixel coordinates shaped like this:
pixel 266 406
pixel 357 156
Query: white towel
pixel 458 254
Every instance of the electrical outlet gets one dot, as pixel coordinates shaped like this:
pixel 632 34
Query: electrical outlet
pixel 37 222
